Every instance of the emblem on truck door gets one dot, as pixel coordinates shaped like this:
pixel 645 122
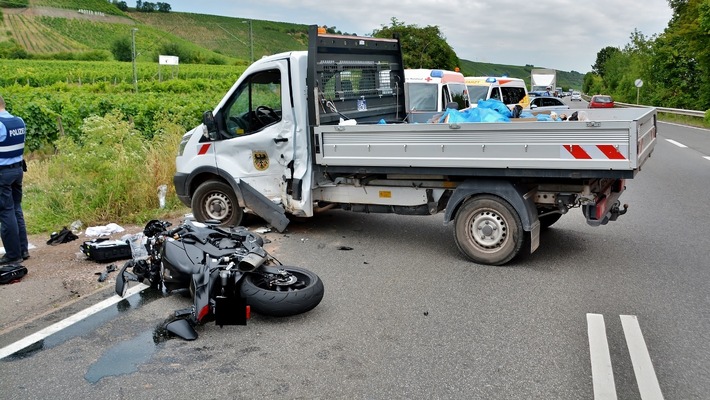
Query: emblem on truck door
pixel 261 160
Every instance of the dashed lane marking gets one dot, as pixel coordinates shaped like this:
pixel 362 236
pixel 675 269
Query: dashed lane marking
pixel 81 315
pixel 643 368
pixel 602 373
pixel 681 145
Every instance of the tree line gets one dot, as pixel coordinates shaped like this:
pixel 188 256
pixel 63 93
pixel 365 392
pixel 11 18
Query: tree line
pixel 144 6
pixel 674 66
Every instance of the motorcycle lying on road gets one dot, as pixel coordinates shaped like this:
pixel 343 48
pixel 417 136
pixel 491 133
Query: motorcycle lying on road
pixel 226 270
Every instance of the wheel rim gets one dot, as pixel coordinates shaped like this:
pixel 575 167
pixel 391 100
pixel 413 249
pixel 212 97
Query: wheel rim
pixel 489 230
pixel 217 206
pixel 281 283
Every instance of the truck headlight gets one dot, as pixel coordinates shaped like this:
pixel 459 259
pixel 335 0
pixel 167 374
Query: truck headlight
pixel 183 142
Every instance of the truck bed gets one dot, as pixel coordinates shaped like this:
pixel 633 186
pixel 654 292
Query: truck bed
pixel 619 139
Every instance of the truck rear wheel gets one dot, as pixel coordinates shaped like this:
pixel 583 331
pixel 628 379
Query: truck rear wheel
pixel 215 200
pixel 488 230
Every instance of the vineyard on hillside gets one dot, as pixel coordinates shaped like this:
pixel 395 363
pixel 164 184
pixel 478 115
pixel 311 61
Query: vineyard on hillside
pixel 37 38
pixel 230 36
pixel 54 97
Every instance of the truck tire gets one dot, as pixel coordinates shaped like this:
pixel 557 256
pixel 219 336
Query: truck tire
pixel 215 200
pixel 488 230
pixel 283 299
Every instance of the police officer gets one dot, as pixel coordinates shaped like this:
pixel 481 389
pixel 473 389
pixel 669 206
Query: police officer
pixel 12 221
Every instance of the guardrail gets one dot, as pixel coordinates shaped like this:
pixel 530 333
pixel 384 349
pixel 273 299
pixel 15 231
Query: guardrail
pixel 677 111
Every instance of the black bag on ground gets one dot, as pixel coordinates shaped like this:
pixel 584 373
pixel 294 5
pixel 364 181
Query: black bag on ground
pixel 63 236
pixel 12 273
pixel 105 250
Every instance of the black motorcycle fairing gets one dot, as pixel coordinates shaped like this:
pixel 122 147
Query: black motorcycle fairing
pixel 181 328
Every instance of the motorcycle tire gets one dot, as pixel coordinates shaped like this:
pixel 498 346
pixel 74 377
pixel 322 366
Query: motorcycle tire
pixel 288 300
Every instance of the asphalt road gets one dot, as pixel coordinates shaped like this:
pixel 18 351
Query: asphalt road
pixel 405 316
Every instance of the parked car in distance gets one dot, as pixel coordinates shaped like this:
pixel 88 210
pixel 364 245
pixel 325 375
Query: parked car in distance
pixel 576 96
pixel 547 103
pixel 601 101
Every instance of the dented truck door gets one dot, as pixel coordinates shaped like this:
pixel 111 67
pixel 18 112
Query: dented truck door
pixel 257 127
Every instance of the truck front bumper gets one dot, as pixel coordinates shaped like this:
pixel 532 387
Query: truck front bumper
pixel 180 182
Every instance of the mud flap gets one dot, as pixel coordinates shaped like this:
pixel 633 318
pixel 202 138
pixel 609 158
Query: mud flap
pixel 532 216
pixel 263 207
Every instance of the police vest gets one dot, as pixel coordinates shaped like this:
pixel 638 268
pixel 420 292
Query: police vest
pixel 14 143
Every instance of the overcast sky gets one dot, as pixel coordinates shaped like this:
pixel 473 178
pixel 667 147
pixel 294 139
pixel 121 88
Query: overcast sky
pixel 561 34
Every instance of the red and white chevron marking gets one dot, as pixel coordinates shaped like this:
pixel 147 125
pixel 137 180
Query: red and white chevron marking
pixel 593 152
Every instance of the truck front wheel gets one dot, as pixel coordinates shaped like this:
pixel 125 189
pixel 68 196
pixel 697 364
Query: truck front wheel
pixel 214 200
pixel 488 230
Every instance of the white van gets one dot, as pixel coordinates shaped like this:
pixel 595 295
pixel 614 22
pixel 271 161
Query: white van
pixel 511 91
pixel 432 91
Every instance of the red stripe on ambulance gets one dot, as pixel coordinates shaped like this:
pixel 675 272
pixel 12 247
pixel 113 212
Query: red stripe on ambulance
pixel 203 149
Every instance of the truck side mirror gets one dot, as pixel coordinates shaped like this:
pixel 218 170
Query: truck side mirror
pixel 208 120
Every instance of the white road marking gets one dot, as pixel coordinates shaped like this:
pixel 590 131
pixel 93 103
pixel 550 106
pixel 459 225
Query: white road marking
pixel 36 337
pixel 602 373
pixel 707 158
pixel 643 368
pixel 671 141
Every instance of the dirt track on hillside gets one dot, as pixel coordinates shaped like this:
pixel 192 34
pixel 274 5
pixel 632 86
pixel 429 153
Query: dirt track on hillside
pixel 67 13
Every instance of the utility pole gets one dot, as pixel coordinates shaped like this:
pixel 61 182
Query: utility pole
pixel 135 72
pixel 251 38
pixel 251 41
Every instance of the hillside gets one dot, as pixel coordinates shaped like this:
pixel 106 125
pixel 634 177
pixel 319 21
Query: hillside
pixel 565 79
pixel 66 26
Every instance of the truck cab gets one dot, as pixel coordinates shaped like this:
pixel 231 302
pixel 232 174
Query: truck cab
pixel 252 153
pixel 432 91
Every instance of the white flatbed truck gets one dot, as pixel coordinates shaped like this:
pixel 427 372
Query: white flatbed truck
pixel 306 131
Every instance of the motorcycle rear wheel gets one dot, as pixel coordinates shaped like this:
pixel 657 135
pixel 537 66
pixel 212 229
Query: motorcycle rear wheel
pixel 283 300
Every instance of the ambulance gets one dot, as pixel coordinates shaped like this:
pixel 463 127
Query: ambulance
pixel 511 91
pixel 431 91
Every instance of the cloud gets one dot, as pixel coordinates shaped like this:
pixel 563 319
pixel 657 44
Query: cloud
pixel 561 34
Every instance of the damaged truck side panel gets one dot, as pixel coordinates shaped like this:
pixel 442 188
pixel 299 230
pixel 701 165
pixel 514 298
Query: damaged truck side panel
pixel 302 132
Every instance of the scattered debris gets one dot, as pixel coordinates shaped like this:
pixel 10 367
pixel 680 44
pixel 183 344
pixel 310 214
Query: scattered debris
pixel 12 273
pixel 63 236
pixel 263 230
pixel 105 230
pixel 104 275
pixel 344 248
